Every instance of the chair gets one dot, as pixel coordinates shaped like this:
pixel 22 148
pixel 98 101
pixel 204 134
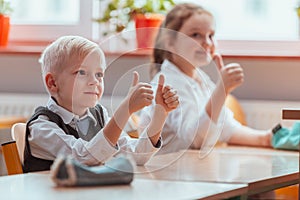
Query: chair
pixel 233 104
pixel 11 157
pixel 13 151
pixel 18 132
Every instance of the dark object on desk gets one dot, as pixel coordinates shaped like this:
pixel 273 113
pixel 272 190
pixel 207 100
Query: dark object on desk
pixel 276 128
pixel 284 138
pixel 68 172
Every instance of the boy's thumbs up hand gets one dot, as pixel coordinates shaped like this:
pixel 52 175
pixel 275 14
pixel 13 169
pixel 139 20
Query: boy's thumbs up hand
pixel 140 94
pixel 160 87
pixel 166 96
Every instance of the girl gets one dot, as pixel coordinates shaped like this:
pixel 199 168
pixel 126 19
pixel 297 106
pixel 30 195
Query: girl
pixel 184 44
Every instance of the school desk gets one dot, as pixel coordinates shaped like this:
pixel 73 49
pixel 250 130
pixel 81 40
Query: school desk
pixel 36 186
pixel 262 169
pixel 291 113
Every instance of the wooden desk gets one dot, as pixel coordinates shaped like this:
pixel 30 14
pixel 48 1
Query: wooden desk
pixel 262 169
pixel 36 186
pixel 291 113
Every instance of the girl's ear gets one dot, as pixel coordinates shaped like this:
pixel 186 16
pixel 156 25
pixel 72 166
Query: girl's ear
pixel 50 82
pixel 169 44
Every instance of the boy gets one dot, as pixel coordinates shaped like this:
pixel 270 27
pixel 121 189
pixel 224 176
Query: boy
pixel 74 124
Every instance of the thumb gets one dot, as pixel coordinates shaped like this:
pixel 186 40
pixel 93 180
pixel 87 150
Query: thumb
pixel 218 60
pixel 161 82
pixel 136 78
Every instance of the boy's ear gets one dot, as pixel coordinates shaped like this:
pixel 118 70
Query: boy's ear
pixel 50 82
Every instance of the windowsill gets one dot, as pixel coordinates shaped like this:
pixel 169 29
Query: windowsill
pixel 229 49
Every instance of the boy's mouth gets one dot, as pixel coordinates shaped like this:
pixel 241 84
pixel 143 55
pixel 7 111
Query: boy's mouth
pixel 92 93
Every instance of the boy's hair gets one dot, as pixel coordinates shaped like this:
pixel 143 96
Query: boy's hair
pixel 67 51
pixel 170 26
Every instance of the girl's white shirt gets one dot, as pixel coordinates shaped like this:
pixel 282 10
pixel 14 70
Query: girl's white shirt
pixel 189 126
pixel 47 140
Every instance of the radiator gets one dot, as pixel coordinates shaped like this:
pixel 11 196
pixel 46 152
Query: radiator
pixel 24 104
pixel 259 114
pixel 20 104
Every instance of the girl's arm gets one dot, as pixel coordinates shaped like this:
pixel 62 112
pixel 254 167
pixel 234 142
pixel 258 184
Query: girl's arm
pixel 232 77
pixel 251 137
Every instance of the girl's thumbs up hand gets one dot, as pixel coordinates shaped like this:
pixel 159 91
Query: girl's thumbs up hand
pixel 232 74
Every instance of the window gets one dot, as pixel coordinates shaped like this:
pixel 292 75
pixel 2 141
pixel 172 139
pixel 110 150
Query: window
pixel 254 19
pixel 48 19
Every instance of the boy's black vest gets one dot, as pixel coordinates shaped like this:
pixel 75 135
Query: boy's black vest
pixel 32 163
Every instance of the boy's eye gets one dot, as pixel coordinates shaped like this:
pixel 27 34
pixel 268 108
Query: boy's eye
pixel 81 72
pixel 99 75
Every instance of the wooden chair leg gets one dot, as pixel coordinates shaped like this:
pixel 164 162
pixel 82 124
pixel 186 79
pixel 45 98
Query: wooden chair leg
pixel 11 157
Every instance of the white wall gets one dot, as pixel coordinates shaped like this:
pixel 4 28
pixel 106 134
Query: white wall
pixel 265 79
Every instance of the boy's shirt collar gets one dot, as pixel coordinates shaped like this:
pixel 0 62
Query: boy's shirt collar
pixel 66 115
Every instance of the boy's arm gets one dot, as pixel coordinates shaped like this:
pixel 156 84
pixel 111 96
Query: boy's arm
pixel 139 96
pixel 166 100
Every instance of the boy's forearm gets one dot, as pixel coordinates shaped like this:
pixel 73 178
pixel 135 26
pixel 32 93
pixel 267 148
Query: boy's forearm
pixel 116 124
pixel 156 125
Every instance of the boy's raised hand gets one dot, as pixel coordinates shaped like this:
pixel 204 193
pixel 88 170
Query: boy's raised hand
pixel 140 94
pixel 232 74
pixel 166 96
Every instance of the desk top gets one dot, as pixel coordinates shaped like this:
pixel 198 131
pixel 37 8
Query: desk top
pixel 36 186
pixel 262 169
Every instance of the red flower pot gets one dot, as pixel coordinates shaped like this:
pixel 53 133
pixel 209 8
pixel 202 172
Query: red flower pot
pixel 146 29
pixel 4 29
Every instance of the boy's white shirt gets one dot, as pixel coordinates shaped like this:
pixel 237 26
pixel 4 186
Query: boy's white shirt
pixel 47 140
pixel 187 125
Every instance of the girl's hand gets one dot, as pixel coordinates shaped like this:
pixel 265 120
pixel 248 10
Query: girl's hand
pixel 232 74
pixel 166 96
pixel 139 95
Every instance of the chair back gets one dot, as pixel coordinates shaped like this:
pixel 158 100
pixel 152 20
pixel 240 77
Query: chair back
pixel 18 132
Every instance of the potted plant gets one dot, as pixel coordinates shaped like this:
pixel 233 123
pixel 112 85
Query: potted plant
pixel 5 10
pixel 147 13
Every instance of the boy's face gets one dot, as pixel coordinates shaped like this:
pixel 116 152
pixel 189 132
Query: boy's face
pixel 80 87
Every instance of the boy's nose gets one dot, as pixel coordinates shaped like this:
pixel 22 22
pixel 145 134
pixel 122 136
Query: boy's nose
pixel 93 79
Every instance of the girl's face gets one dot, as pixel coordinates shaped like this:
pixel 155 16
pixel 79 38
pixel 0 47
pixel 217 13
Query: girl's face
pixel 80 87
pixel 194 48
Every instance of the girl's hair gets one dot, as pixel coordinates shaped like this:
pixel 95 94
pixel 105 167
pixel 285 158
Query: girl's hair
pixel 169 28
pixel 67 51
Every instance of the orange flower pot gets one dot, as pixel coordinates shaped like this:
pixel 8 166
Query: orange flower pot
pixel 146 29
pixel 4 30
